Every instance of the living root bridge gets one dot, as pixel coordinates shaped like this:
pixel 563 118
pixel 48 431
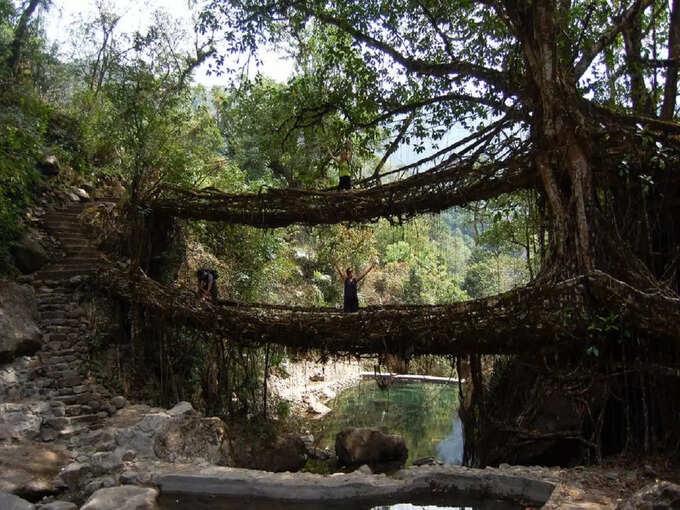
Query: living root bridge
pixel 527 319
pixel 428 192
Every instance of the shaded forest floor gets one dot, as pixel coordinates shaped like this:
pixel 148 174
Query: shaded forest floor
pixel 599 487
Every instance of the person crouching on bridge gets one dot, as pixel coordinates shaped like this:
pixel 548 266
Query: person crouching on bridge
pixel 351 297
pixel 207 284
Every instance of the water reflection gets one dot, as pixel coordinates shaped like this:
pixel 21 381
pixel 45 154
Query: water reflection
pixel 425 414
pixel 193 502
pixel 409 506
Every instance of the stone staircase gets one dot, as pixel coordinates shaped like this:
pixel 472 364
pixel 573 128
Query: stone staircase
pixel 62 377
pixel 82 259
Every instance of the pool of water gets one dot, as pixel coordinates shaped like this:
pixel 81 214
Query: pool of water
pixel 425 414
pixel 175 502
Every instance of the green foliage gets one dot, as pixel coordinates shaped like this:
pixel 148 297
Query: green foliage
pixel 23 124
pixel 269 136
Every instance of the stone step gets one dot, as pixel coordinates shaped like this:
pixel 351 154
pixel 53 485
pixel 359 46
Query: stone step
pixel 63 214
pixel 54 300
pixel 85 418
pixel 55 288
pixel 44 308
pixel 84 258
pixel 77 245
pixel 64 226
pixel 77 259
pixel 69 399
pixel 56 367
pixel 71 238
pixel 54 360
pixel 53 313
pixel 64 352
pixel 70 331
pixel 78 409
pixel 68 273
pixel 52 324
pixel 68 378
pixel 67 233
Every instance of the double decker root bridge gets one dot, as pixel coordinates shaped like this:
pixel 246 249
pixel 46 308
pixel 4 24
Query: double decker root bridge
pixel 426 192
pixel 554 317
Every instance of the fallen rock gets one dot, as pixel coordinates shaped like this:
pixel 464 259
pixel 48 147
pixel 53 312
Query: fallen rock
pixel 12 502
pixel 356 446
pixel 656 496
pixel 76 475
pixel 181 408
pixel 190 436
pixel 81 193
pixel 316 407
pixel 50 165
pixel 319 453
pixel 427 461
pixel 283 453
pixel 107 462
pixel 141 436
pixel 19 333
pixel 118 402
pixel 29 254
pixel 145 424
pixel 22 421
pixel 125 497
pixel 58 505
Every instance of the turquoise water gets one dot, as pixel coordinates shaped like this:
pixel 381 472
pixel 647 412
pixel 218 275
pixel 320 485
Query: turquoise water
pixel 425 414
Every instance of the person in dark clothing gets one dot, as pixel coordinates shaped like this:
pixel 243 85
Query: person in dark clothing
pixel 207 283
pixel 351 298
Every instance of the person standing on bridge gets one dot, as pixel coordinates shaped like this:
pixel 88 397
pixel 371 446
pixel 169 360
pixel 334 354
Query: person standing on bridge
pixel 343 160
pixel 351 297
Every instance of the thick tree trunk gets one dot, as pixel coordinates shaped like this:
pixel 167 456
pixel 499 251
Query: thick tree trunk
pixel 20 34
pixel 562 158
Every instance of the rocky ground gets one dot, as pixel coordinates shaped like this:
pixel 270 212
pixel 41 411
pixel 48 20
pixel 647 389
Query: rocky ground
pixel 308 385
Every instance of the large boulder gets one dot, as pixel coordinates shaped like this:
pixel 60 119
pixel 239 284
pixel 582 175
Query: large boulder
pixel 356 446
pixel 50 165
pixel 142 426
pixel 656 496
pixel 141 436
pixel 28 469
pixel 192 436
pixel 19 333
pixel 23 420
pixel 126 497
pixel 12 502
pixel 277 454
pixel 29 254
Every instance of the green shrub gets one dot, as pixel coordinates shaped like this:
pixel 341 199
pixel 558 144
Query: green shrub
pixel 23 120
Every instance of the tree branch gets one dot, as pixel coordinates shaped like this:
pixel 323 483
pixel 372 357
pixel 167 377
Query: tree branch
pixel 458 67
pixel 606 38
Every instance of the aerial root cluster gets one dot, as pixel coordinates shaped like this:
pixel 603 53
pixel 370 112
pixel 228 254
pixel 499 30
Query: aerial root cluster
pixel 552 317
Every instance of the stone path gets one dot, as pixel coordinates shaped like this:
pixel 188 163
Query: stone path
pixel 62 376
pixel 82 258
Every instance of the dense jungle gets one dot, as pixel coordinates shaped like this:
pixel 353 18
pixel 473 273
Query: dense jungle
pixel 514 191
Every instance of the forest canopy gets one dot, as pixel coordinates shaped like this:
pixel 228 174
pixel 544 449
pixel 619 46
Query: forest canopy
pixel 586 90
